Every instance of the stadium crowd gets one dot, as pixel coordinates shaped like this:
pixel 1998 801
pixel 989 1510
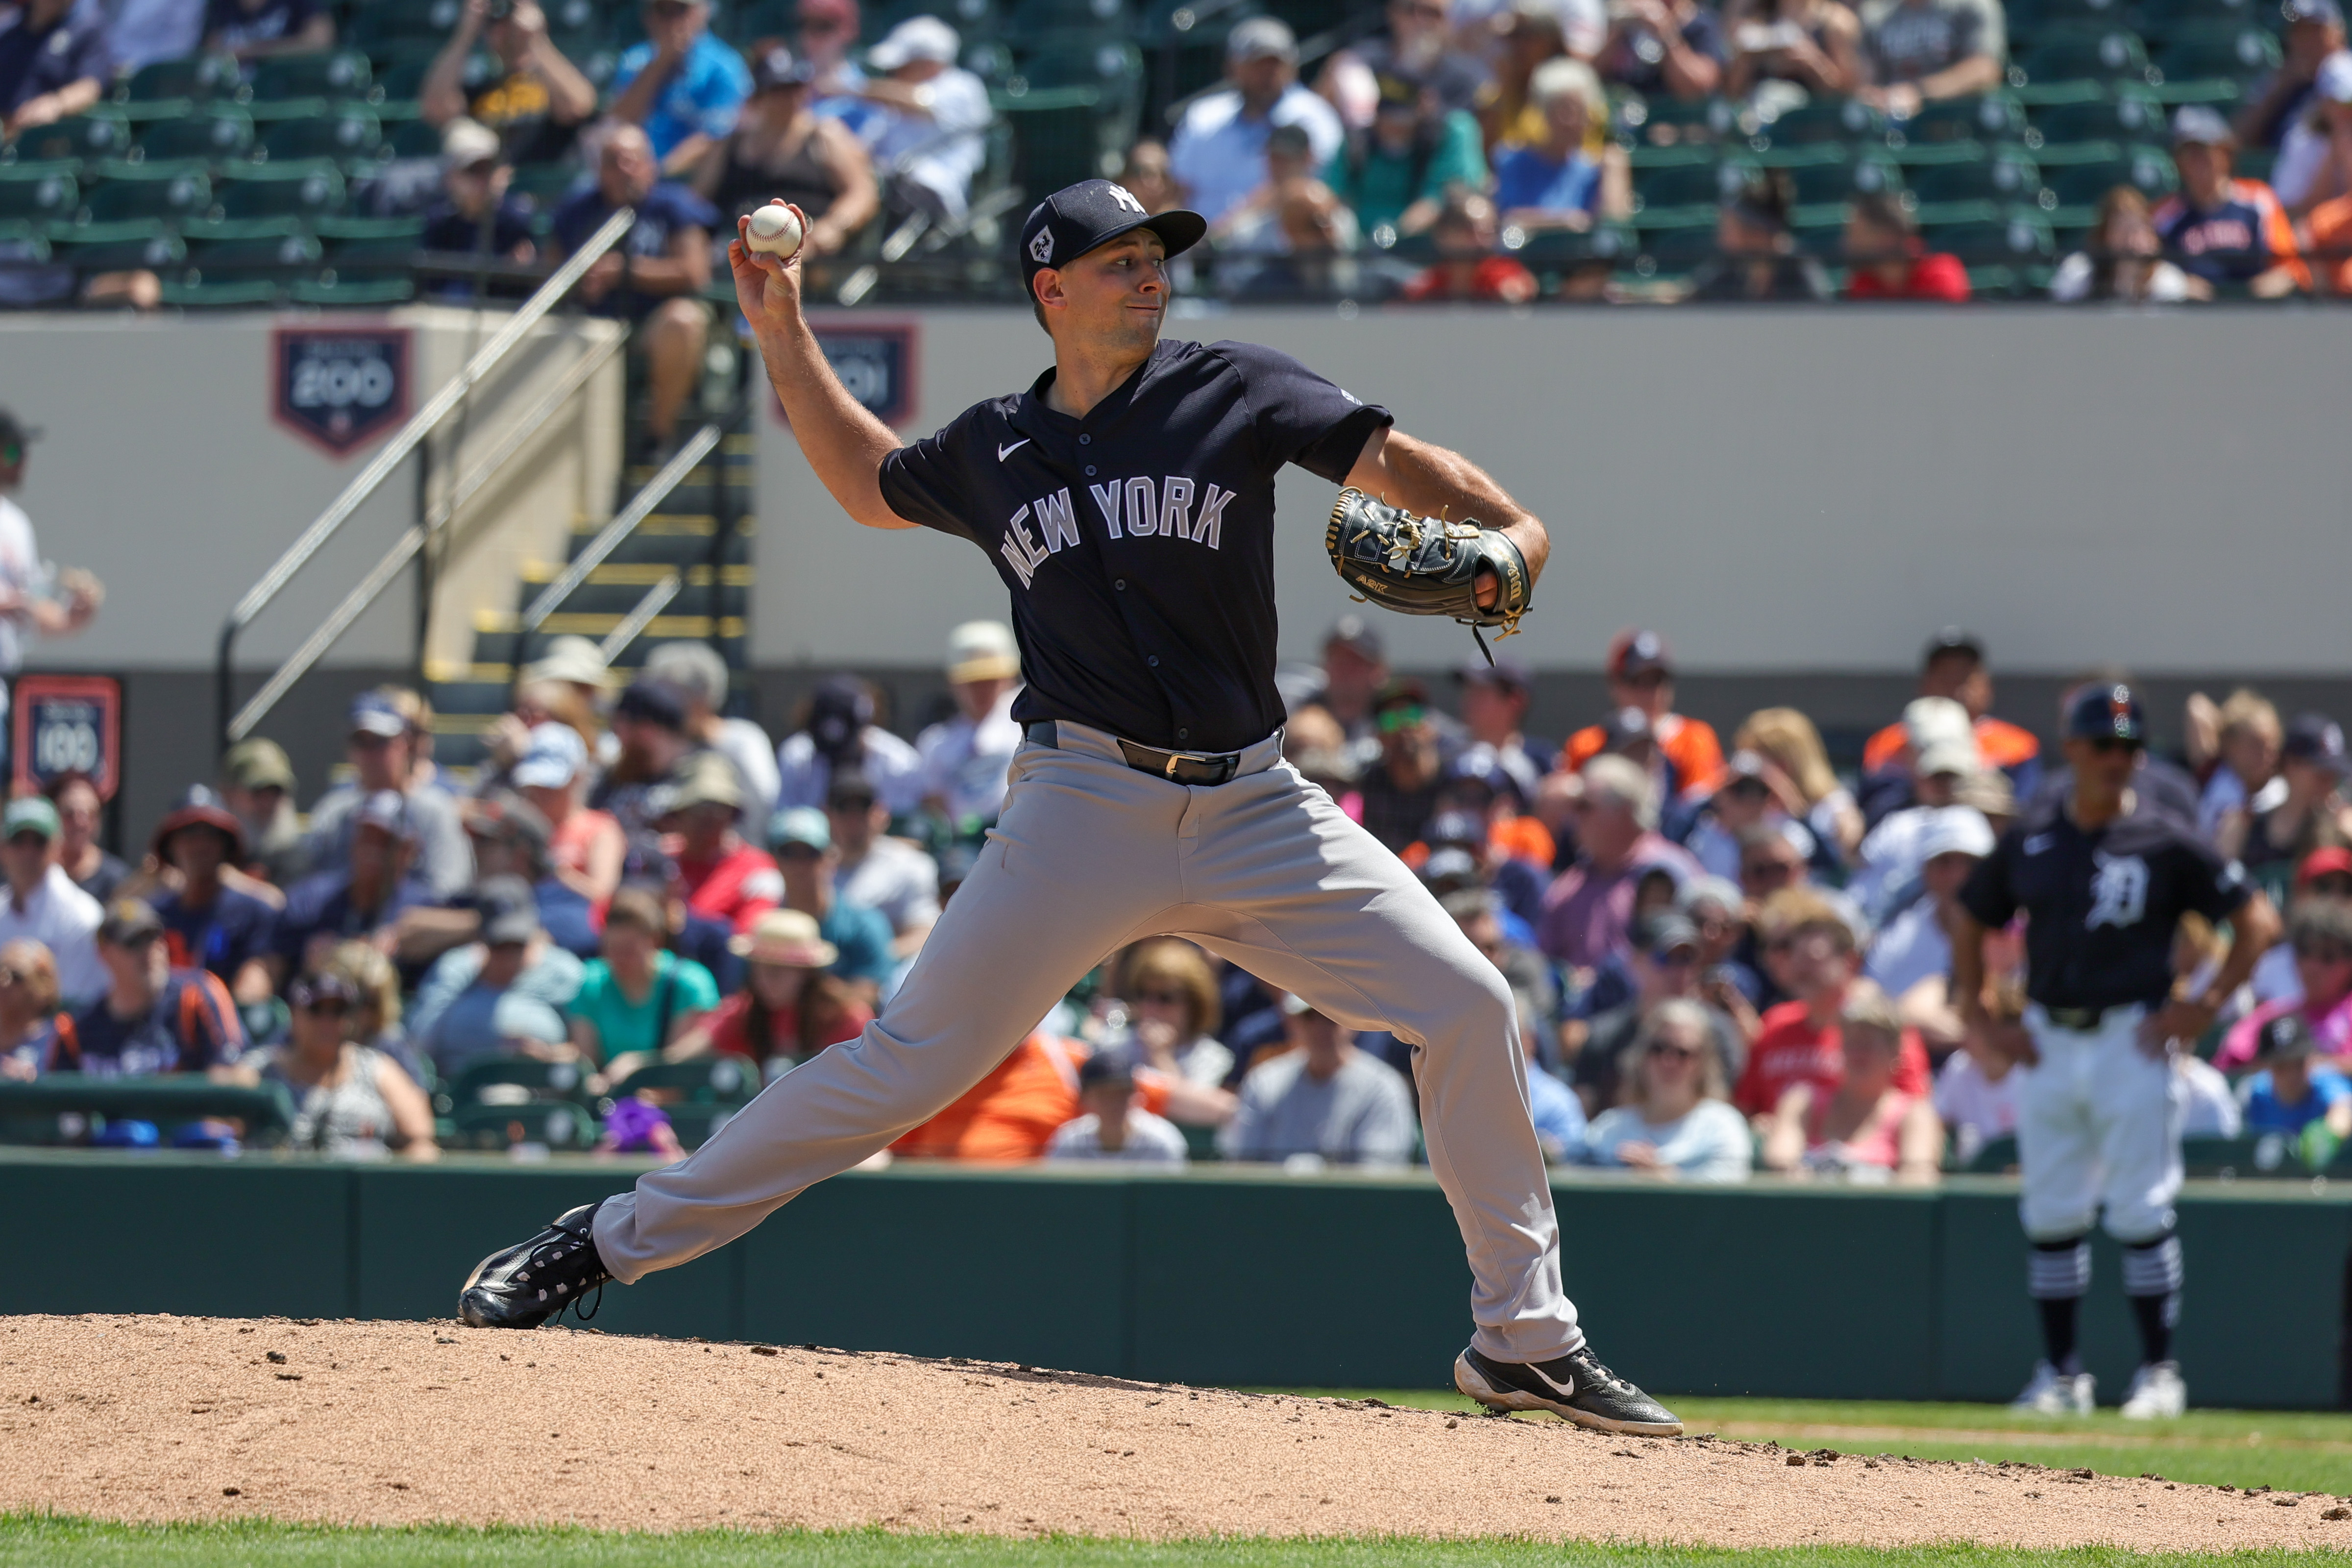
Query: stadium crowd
pixel 1726 956
pixel 1434 149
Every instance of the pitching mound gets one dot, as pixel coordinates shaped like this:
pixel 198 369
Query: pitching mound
pixel 170 1418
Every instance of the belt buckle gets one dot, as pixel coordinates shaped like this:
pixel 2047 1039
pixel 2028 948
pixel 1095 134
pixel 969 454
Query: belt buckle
pixel 1174 758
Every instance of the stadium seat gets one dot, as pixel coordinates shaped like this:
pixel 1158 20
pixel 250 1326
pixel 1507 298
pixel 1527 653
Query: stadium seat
pixel 382 25
pixel 214 132
pixel 349 137
pixel 546 183
pixel 115 246
pixel 2081 182
pixel 2005 253
pixel 39 193
pixel 2005 174
pixel 413 139
pixel 534 1078
pixel 2163 19
pixel 2109 54
pixel 1826 172
pixel 163 89
pixel 1678 247
pixel 2210 64
pixel 1668 122
pixel 2270 1155
pixel 555 1124
pixel 1668 180
pixel 90 139
pixel 276 254
pixel 296 87
pixel 2030 19
pixel 1989 117
pixel 1038 18
pixel 1826 120
pixel 308 189
pixel 330 292
pixel 402 81
pixel 713 1079
pixel 174 192
pixel 369 243
pixel 2132 112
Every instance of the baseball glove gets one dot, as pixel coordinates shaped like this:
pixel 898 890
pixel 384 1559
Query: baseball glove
pixel 1422 566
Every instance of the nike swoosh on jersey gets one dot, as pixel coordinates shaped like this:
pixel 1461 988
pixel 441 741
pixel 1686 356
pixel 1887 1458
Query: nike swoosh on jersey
pixel 2037 844
pixel 1004 452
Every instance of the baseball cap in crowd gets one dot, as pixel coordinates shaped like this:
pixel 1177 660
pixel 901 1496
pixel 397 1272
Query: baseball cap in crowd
pixel 257 764
pixel 2107 711
pixel 1956 830
pixel 1743 766
pixel 1076 218
pixel 15 436
pixel 507 818
pixel 1449 869
pixel 776 68
pixel 2196 125
pixel 801 825
pixel 1987 790
pixel 552 757
pixel 1294 1006
pixel 1106 1067
pixel 1636 652
pixel 572 659
pixel 709 781
pixel 2286 1038
pixel 654 702
pixel 1261 37
pixel 520 1017
pixel 508 909
pixel 373 714
pixel 916 38
pixel 1626 728
pixel 387 809
pixel 129 921
pixel 851 791
pixel 324 985
pixel 789 938
pixel 1664 933
pixel 1503 675
pixel 464 143
pixel 1459 827
pixel 1951 640
pixel 1949 756
pixel 199 808
pixel 839 710
pixel 1480 764
pixel 1399 705
pixel 2316 739
pixel 34 813
pixel 2332 861
pixel 982 651
pixel 1359 636
pixel 1927 720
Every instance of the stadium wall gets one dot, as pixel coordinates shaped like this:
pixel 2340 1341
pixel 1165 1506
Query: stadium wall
pixel 1224 1276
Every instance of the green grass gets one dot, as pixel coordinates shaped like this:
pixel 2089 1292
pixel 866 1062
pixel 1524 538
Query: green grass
pixel 30 1539
pixel 2291 1450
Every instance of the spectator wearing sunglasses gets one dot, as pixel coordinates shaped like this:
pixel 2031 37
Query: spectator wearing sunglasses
pixel 535 107
pixel 1744 799
pixel 684 86
pixel 351 1100
pixel 1864 1121
pixel 1173 1011
pixel 29 1018
pixel 2319 946
pixel 1400 788
pixel 1673 1125
pixel 152 1019
pixel 1589 908
pixel 1668 963
pixel 1641 673
pixel 800 839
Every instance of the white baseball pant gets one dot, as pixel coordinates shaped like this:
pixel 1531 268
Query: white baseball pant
pixel 1088 856
pixel 2098 1131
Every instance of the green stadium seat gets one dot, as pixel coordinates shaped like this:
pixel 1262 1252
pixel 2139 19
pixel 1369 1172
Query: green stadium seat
pixel 1035 18
pixel 2004 175
pixel 91 138
pixel 1667 180
pixel 174 192
pixel 2005 253
pixel 349 137
pixel 1668 122
pixel 1555 249
pixel 39 193
pixel 1201 1144
pixel 2210 64
pixel 546 183
pixel 1826 172
pixel 2132 112
pixel 2030 19
pixel 556 1124
pixel 711 1080
pixel 163 89
pixel 2107 55
pixel 539 1080
pixel 118 246
pixel 414 139
pixel 2270 1155
pixel 1679 247
pixel 402 81
pixel 308 189
pixel 285 87
pixel 1826 120
pixel 277 253
pixel 382 25
pixel 2082 183
pixel 1989 118
pixel 214 132
pixel 193 291
pixel 2163 19
pixel 1112 68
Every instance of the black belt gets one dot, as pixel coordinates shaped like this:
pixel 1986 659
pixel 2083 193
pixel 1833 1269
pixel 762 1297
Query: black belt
pixel 1183 767
pixel 2084 1020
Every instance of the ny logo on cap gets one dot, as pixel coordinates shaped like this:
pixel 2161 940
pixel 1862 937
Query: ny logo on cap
pixel 1126 198
pixel 1042 247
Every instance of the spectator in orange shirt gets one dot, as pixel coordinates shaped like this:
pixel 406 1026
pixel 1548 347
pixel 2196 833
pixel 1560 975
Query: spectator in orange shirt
pixel 1891 261
pixel 1467 265
pixel 1013 1112
pixel 1812 954
pixel 1640 671
pixel 1954 666
pixel 2221 229
pixel 2331 244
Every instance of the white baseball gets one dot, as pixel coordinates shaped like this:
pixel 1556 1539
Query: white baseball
pixel 775 230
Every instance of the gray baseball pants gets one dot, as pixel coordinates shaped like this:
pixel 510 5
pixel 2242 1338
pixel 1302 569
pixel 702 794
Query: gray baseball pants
pixel 1090 855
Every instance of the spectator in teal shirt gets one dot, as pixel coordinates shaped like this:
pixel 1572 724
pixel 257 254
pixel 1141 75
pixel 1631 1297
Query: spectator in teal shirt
pixel 800 839
pixel 685 86
pixel 1397 172
pixel 638 997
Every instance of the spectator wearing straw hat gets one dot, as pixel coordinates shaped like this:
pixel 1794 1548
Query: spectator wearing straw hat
pixel 723 877
pixel 790 1004
pixel 208 923
pixel 42 904
pixel 966 759
pixel 256 784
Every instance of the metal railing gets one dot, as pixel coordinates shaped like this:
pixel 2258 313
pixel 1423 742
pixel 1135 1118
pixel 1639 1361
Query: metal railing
pixel 382 466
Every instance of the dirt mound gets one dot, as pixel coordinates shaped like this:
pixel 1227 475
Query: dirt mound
pixel 169 1418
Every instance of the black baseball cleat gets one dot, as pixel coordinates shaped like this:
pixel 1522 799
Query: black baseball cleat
pixel 1575 1387
pixel 523 1286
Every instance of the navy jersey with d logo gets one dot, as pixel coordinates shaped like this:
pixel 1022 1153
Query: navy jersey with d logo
pixel 1137 542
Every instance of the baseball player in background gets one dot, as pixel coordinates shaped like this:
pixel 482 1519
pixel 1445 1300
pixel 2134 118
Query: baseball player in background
pixel 1127 501
pixel 2103 879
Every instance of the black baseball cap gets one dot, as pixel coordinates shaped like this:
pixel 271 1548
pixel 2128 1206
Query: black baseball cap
pixel 15 432
pixel 1951 640
pixel 2316 738
pixel 1076 218
pixel 2107 711
pixel 2287 1036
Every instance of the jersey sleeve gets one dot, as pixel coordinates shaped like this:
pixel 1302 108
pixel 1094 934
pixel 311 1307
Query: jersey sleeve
pixel 2214 888
pixel 1988 894
pixel 1299 416
pixel 930 482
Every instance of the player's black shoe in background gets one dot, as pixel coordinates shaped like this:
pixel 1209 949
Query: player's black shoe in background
pixel 523 1286
pixel 1576 1387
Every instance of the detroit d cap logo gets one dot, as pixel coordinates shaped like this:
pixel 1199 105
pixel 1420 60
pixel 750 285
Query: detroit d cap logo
pixel 1041 249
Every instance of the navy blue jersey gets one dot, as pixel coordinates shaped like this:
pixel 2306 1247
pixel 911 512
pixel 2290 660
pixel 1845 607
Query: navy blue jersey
pixel 2101 907
pixel 1137 542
